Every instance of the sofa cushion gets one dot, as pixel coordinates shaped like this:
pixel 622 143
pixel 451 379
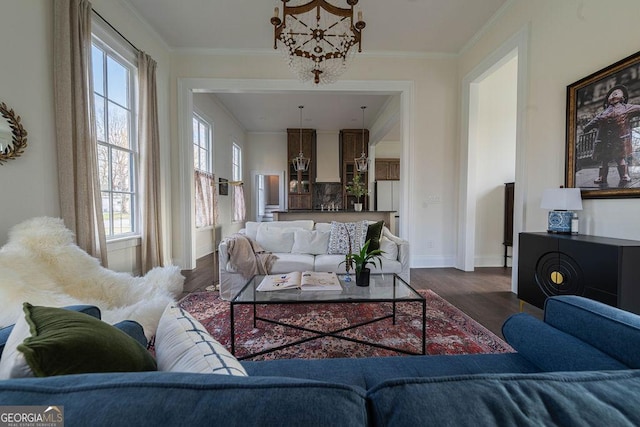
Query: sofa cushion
pixel 370 371
pixel 389 249
pixel 54 341
pixel 335 263
pixel 184 399
pixel 611 330
pixel 330 263
pixel 286 263
pixel 550 349
pixel 184 345
pixel 347 235
pixel 310 242
pixel 559 399
pixel 251 229
pixel 275 239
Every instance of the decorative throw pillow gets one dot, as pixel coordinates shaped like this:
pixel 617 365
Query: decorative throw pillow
pixel 310 242
pixel 184 345
pixel 50 341
pixel 374 231
pixel 275 239
pixel 130 327
pixel 389 248
pixel 342 233
pixel 251 229
pixel 323 226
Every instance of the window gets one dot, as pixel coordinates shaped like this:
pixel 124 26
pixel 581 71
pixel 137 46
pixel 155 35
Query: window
pixel 114 81
pixel 236 163
pixel 237 202
pixel 201 145
pixel 204 180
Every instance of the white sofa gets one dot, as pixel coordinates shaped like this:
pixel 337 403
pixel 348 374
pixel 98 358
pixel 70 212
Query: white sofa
pixel 303 245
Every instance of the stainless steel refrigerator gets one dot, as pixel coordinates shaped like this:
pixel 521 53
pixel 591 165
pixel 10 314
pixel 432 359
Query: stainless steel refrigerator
pixel 388 198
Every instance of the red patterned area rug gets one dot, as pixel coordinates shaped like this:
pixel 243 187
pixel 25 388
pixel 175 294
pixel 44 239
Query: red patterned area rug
pixel 449 330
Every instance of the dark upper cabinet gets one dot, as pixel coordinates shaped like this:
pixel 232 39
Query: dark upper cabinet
pixel 387 169
pixel 351 144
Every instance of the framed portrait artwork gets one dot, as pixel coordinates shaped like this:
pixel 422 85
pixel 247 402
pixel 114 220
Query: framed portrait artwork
pixel 603 132
pixel 224 187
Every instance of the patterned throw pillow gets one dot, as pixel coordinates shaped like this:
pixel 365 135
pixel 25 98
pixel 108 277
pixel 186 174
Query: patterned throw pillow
pixel 342 233
pixel 184 345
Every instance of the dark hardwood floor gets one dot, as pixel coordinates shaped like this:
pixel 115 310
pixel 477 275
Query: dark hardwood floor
pixel 485 294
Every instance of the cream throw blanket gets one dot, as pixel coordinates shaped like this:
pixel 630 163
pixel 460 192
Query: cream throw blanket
pixel 42 265
pixel 247 257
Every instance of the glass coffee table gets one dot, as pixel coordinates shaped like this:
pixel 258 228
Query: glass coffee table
pixel 383 288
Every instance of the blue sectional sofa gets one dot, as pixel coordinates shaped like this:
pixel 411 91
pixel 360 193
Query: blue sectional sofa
pixel 577 367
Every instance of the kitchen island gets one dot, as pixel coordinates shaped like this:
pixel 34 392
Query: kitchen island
pixel 389 217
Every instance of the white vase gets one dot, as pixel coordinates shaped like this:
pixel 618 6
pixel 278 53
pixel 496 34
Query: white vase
pixel 357 207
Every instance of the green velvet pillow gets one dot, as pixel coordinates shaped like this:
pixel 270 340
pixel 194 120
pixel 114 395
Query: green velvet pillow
pixel 374 231
pixel 67 342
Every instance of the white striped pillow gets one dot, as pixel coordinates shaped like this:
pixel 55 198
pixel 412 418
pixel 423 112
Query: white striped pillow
pixel 184 345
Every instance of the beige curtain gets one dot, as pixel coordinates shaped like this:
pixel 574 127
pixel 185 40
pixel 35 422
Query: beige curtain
pixel 206 199
pixel 239 209
pixel 149 142
pixel 79 188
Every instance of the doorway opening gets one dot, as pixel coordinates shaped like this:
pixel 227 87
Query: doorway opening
pixel 514 49
pixel 268 195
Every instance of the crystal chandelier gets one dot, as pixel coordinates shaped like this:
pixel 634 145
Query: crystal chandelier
pixel 362 162
pixel 316 38
pixel 300 163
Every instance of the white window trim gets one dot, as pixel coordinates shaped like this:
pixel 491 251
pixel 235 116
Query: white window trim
pixel 110 38
pixel 210 123
pixel 235 145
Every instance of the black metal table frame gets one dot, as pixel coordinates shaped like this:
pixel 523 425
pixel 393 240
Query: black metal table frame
pixel 322 334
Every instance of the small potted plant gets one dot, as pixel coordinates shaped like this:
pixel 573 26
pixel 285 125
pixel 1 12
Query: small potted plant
pixel 358 189
pixel 360 261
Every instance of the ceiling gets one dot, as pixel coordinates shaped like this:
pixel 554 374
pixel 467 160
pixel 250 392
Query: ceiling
pixel 401 27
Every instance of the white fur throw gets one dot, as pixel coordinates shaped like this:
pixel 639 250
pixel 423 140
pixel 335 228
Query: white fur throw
pixel 42 265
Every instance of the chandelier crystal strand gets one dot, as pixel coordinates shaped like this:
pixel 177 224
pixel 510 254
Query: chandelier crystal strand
pixel 362 162
pixel 317 38
pixel 300 163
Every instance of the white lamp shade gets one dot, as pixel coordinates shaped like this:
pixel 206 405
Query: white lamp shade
pixel 561 199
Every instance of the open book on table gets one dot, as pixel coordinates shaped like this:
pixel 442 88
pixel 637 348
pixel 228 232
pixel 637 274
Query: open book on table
pixel 306 281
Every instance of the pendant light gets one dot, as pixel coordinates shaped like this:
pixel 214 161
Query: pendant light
pixel 300 163
pixel 362 162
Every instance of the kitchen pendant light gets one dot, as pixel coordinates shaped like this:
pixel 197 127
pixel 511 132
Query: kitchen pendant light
pixel 300 163
pixel 362 162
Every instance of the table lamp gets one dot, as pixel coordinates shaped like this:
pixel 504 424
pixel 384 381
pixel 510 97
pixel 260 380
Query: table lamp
pixel 562 202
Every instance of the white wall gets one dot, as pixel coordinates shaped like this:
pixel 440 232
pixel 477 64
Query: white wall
pixel 226 130
pixel 30 182
pixel 431 163
pixel 266 153
pixel 565 45
pixel 26 31
pixel 495 160
pixel 328 156
pixel 388 150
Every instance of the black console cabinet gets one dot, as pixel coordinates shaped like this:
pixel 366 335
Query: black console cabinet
pixel 600 268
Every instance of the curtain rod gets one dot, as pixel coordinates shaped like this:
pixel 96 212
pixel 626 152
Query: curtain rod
pixel 114 29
